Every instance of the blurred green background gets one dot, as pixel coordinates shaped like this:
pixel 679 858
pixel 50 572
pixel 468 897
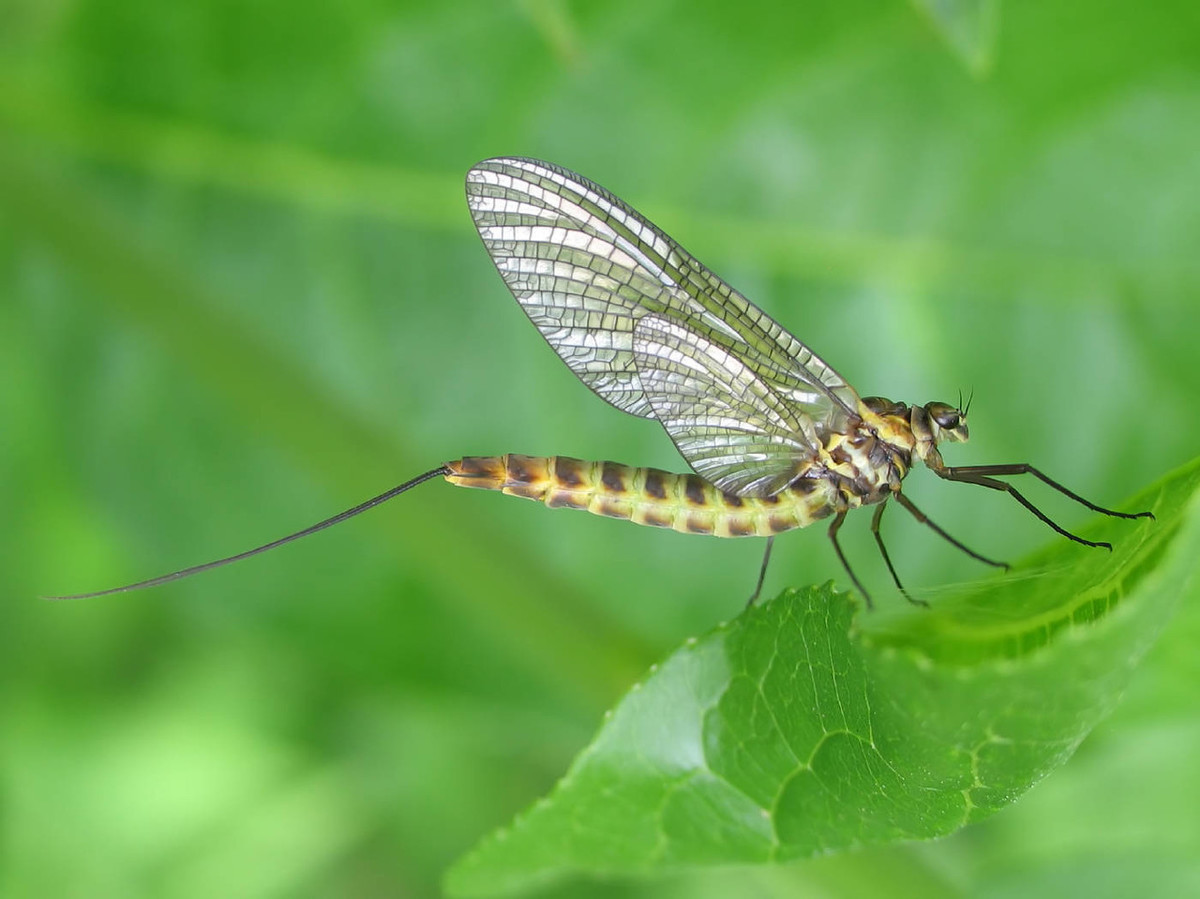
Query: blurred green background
pixel 239 290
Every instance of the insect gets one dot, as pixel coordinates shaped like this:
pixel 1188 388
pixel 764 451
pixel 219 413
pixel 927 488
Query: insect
pixel 775 437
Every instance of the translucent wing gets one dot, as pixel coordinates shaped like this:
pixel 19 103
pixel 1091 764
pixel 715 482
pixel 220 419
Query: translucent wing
pixel 587 268
pixel 733 429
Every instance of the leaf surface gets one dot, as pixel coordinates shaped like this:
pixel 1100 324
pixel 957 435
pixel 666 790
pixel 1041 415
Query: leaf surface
pixel 798 729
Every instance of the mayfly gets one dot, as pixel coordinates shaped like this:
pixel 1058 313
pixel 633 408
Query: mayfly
pixel 775 437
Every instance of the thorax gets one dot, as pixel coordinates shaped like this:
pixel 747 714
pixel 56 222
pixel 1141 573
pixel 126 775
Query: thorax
pixel 870 459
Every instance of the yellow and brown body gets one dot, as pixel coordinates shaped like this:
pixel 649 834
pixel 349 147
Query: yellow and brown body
pixel 684 502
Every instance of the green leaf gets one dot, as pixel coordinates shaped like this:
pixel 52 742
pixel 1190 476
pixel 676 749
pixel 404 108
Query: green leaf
pixel 798 730
pixel 967 26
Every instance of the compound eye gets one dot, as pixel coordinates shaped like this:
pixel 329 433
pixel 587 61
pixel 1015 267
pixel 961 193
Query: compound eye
pixel 947 417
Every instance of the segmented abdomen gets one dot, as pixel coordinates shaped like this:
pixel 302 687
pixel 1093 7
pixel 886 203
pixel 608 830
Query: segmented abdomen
pixel 685 502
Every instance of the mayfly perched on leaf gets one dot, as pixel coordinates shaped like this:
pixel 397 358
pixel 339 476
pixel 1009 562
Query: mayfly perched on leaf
pixel 776 438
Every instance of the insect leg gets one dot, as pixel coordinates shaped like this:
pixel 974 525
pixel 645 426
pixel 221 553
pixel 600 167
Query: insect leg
pixel 878 517
pixel 967 476
pixel 762 572
pixel 834 527
pixel 1025 468
pixel 924 519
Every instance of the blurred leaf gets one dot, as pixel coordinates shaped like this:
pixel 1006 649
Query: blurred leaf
pixel 241 288
pixel 967 26
pixel 229 357
pixel 791 733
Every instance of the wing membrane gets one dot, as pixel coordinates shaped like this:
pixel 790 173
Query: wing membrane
pixel 587 268
pixel 733 429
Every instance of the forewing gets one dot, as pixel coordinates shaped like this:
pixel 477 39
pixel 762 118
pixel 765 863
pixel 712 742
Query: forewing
pixel 586 268
pixel 574 258
pixel 730 425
